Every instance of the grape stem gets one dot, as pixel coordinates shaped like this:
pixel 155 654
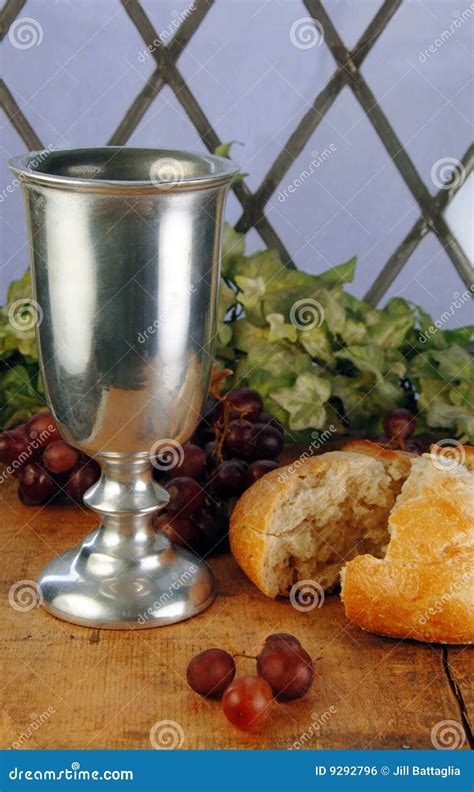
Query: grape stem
pixel 247 657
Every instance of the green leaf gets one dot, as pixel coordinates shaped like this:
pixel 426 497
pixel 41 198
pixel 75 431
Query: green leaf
pixel 223 150
pixel 246 336
pixel 279 329
pixel 365 358
pixel 459 421
pixel 317 343
pixel 392 324
pixel 342 273
pixel 304 401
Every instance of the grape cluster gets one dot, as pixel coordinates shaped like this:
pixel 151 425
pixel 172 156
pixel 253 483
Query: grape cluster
pixel 284 671
pixel 234 445
pixel 45 465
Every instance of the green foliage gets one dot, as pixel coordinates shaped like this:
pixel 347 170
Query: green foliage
pixel 317 354
pixel 20 383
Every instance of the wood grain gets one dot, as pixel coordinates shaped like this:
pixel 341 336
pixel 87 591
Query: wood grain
pixel 100 689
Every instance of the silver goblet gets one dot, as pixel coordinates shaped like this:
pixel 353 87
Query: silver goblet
pixel 125 246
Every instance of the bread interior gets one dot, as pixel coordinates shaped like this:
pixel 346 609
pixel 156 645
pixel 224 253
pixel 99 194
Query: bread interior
pixel 328 518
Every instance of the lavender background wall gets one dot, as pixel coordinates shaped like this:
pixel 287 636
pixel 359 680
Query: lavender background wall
pixel 254 84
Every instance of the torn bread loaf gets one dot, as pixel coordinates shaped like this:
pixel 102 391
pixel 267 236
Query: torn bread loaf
pixel 424 586
pixel 305 520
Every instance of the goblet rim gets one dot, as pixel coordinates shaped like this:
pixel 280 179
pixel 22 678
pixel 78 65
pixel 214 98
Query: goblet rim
pixel 221 171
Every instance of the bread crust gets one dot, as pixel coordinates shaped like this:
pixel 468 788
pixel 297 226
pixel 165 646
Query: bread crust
pixel 424 587
pixel 252 542
pixel 422 601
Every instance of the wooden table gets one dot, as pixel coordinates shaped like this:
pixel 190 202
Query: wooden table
pixel 104 689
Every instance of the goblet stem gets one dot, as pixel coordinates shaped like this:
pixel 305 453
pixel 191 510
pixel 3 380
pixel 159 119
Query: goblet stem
pixel 127 496
pixel 125 574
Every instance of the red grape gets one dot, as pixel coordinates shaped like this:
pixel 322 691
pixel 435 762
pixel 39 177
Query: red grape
pixel 81 478
pixel 415 445
pixel 36 485
pixel 246 702
pixel 287 638
pixel 210 672
pixel 238 438
pixel 186 495
pixel 287 667
pixel 59 457
pixel 228 479
pixel 244 402
pixel 268 420
pixel 192 463
pixel 399 423
pixel 259 468
pixel 42 428
pixel 267 442
pixel 15 447
pixel 212 526
pixel 210 452
pixel 179 530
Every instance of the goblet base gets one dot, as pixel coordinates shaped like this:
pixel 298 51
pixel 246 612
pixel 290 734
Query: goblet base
pixel 164 585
